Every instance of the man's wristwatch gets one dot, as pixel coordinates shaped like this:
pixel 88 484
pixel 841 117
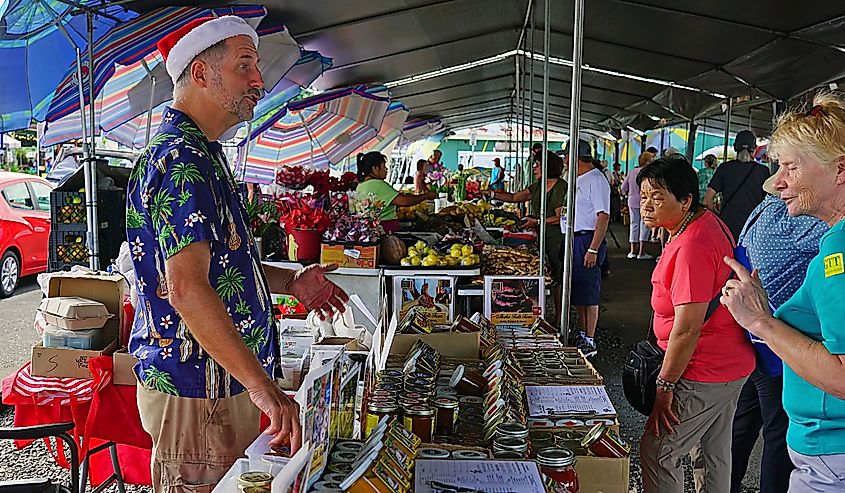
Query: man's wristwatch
pixel 665 386
pixel 593 251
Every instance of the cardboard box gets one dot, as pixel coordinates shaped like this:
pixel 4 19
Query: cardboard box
pixel 355 256
pixel 448 344
pixel 124 374
pixel 74 313
pixel 64 362
pixel 329 347
pixel 603 475
pixel 107 289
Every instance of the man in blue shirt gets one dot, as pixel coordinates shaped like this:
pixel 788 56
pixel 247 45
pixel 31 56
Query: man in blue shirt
pixel 497 175
pixel 204 331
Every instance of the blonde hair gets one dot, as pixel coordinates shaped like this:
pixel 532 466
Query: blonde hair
pixel 816 132
pixel 645 158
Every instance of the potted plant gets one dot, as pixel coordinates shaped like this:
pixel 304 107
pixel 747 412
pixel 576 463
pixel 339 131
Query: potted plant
pixel 264 222
pixel 304 220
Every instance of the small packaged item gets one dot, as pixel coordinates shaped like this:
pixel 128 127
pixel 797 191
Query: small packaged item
pixel 56 337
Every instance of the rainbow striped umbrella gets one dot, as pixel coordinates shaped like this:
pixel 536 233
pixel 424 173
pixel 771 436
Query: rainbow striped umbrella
pixel 130 42
pixel 120 103
pixel 317 132
pixel 310 66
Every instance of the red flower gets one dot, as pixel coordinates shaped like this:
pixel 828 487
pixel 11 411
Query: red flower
pixel 302 212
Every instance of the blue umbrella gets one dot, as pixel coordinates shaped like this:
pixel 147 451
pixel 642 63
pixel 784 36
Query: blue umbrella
pixel 38 44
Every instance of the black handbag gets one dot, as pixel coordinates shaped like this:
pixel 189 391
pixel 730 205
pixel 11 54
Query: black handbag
pixel 640 371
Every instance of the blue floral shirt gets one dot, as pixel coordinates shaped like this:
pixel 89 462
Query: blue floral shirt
pixel 182 191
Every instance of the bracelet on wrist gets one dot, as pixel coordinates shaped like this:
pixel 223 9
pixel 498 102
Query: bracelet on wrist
pixel 665 386
pixel 593 251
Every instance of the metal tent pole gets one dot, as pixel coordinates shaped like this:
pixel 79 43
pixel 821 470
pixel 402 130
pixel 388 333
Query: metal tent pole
pixel 152 101
pixel 91 191
pixel 86 157
pixel 727 129
pixel 518 135
pixel 574 129
pixel 547 30
pixel 528 170
pixel 245 150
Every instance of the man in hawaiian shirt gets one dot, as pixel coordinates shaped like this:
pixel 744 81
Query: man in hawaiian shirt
pixel 204 328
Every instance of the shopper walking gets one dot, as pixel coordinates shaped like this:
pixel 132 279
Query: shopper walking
pixel 639 233
pixel 204 331
pixel 806 331
pixel 707 359
pixel 705 174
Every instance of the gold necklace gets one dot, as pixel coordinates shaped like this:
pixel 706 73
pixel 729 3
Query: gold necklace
pixel 683 226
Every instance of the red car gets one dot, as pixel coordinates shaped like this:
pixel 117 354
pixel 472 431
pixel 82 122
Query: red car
pixel 24 228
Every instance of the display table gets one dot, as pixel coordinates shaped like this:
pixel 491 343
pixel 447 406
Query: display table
pixel 103 412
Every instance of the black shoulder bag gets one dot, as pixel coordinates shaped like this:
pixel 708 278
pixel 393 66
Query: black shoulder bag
pixel 640 371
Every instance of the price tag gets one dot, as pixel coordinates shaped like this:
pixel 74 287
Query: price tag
pixel 351 252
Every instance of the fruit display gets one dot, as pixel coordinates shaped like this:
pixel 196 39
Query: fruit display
pixel 497 220
pixel 467 210
pixel 393 250
pixel 419 211
pixel 422 255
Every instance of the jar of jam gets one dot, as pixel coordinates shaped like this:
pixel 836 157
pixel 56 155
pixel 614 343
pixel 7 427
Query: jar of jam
pixel 419 420
pixel 254 481
pixel 510 445
pixel 447 416
pixel 558 466
pixel 375 411
pixel 508 455
pixel 468 382
pixel 512 429
pixel 602 441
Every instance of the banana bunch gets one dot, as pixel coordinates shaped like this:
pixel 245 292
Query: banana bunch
pixel 467 209
pixel 493 221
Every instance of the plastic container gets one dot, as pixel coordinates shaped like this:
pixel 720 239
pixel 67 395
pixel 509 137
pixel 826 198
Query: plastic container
pixel 57 337
pixel 291 371
pixel 261 457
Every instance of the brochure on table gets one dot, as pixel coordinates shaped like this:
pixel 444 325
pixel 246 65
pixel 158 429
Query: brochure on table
pixel 557 400
pixel 513 301
pixel 488 476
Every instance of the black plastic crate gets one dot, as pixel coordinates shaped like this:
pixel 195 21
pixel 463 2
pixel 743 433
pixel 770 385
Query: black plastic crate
pixel 67 210
pixel 68 248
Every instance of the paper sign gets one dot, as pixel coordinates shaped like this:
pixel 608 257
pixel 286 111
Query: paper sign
pixel 431 296
pixel 556 400
pixel 488 476
pixel 351 252
pixel 512 301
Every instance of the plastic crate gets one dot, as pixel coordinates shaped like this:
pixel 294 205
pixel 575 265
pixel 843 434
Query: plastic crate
pixel 68 248
pixel 67 210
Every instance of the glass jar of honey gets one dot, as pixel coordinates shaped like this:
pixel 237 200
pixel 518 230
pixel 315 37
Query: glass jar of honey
pixel 468 382
pixel 447 416
pixel 419 420
pixel 558 466
pixel 375 411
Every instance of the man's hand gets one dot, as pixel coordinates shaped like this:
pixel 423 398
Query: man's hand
pixel 311 287
pixel 282 411
pixel 590 260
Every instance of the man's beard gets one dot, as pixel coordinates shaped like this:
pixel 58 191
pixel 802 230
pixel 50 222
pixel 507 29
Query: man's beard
pixel 238 106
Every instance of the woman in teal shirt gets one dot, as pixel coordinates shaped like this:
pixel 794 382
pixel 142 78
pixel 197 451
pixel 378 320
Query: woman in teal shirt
pixel 808 331
pixel 372 170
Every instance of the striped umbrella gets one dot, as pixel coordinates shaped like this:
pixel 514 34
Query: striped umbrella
pixel 317 132
pixel 310 66
pixel 124 117
pixel 130 42
pixel 387 137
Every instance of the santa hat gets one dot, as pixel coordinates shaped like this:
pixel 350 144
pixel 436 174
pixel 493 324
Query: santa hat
pixel 181 46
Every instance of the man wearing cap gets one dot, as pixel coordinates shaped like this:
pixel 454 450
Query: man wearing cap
pixel 204 328
pixel 592 215
pixel 740 182
pixel 497 175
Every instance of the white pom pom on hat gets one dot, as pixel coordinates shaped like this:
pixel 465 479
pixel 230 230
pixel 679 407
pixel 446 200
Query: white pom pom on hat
pixel 181 46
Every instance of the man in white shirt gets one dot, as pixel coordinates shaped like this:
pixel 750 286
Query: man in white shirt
pixel 592 215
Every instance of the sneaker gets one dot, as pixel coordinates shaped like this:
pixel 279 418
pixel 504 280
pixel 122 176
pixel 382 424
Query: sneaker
pixel 586 347
pixel 632 255
pixel 644 256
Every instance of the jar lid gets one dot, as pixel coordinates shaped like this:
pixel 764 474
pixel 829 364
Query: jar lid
pixel 390 372
pixel 382 407
pixel 419 410
pixel 457 376
pixel 468 454
pixel 593 435
pixel 255 478
pixel 512 429
pixel 359 471
pixel 446 402
pixel 432 453
pixel 344 456
pixel 326 486
pixel 555 457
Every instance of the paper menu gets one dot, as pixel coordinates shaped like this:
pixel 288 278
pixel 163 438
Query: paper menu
pixel 477 476
pixel 556 400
